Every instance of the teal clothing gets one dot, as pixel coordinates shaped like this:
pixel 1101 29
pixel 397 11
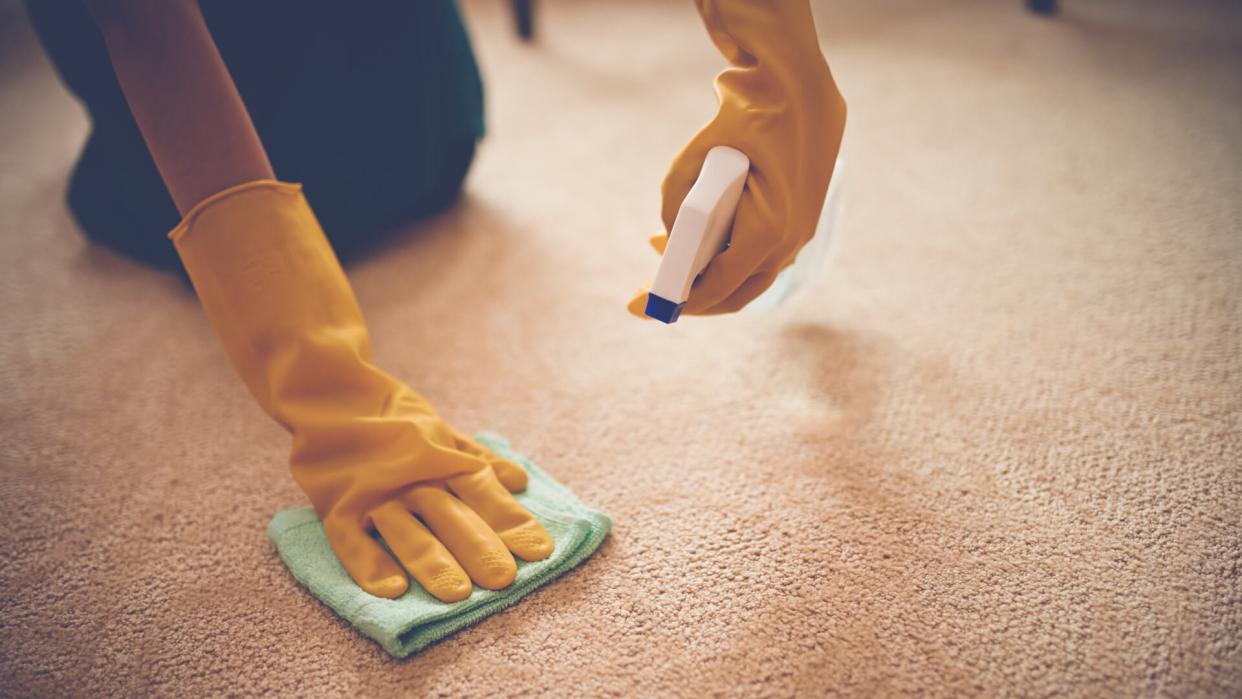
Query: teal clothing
pixel 373 106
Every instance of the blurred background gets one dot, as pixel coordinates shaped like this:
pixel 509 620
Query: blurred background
pixel 994 451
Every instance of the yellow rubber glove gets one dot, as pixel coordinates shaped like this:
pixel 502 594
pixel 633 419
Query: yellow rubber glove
pixel 369 452
pixel 780 106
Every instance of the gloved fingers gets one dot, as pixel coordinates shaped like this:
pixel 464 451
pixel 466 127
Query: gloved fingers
pixel 638 305
pixel 366 561
pixel 727 286
pixel 659 241
pixel 752 241
pixel 511 475
pixel 750 290
pixel 421 554
pixel 471 541
pixel 725 275
pixel 516 526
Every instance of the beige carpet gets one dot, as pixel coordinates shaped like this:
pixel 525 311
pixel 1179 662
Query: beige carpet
pixel 997 451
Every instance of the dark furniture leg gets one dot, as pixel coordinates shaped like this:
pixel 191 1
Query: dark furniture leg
pixel 524 18
pixel 1046 8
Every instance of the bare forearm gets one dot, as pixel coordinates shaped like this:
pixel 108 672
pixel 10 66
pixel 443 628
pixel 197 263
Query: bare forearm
pixel 181 95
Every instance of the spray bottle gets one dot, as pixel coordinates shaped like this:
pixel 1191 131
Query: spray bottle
pixel 701 231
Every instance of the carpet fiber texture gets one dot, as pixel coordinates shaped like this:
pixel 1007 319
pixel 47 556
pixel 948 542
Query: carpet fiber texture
pixel 998 450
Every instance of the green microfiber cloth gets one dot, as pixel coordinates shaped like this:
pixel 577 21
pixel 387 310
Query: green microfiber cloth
pixel 415 620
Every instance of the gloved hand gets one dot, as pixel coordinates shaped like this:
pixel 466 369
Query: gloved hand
pixel 369 452
pixel 780 106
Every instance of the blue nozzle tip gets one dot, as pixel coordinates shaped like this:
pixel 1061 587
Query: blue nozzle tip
pixel 662 309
